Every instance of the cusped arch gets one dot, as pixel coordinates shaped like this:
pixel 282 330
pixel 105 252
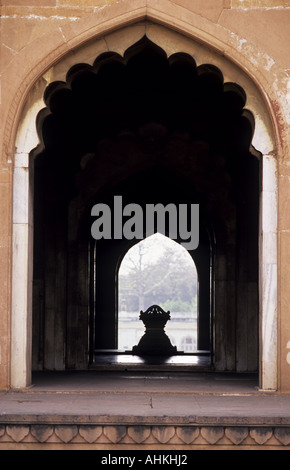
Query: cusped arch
pixel 117 17
pixel 25 142
pixel 80 104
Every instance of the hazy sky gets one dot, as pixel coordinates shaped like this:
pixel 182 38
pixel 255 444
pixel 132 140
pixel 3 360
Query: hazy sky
pixel 154 247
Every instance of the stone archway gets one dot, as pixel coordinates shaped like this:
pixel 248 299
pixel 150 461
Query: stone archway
pixel 22 227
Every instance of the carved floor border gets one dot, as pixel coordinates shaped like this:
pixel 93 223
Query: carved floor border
pixel 75 436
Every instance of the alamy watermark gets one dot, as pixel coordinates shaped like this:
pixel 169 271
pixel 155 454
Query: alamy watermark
pixel 181 221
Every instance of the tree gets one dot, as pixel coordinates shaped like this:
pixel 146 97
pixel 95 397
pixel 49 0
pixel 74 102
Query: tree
pixel 158 270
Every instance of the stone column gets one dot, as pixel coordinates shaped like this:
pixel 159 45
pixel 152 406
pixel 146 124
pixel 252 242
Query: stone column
pixel 268 274
pixel 21 324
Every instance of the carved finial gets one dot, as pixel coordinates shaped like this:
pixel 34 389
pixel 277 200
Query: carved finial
pixel 154 342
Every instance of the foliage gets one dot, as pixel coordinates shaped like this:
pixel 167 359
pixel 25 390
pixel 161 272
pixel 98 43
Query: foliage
pixel 158 271
pixel 179 305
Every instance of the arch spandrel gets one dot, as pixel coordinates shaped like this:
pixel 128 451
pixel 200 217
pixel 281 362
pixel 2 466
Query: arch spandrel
pixel 171 42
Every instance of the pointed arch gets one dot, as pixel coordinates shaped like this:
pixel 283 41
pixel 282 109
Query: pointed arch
pixel 158 270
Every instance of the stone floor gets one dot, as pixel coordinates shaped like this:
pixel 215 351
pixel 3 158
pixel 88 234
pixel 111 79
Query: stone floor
pixel 137 409
pixel 144 381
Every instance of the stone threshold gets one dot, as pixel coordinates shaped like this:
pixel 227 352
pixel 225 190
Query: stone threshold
pixel 88 422
pixel 137 412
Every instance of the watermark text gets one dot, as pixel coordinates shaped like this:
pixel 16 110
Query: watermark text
pixel 179 221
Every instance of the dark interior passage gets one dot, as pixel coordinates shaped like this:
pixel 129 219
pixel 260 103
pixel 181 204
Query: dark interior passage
pixel 152 129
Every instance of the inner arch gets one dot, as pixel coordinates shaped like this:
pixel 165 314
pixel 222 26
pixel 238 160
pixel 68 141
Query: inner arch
pixel 158 270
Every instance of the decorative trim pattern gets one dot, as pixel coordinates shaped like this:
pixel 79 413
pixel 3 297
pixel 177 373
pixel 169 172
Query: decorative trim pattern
pixel 36 436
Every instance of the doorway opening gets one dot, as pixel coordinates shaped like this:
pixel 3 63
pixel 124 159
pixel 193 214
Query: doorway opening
pixel 153 129
pixel 159 271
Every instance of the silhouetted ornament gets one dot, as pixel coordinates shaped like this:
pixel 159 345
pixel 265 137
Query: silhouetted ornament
pixel 154 342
